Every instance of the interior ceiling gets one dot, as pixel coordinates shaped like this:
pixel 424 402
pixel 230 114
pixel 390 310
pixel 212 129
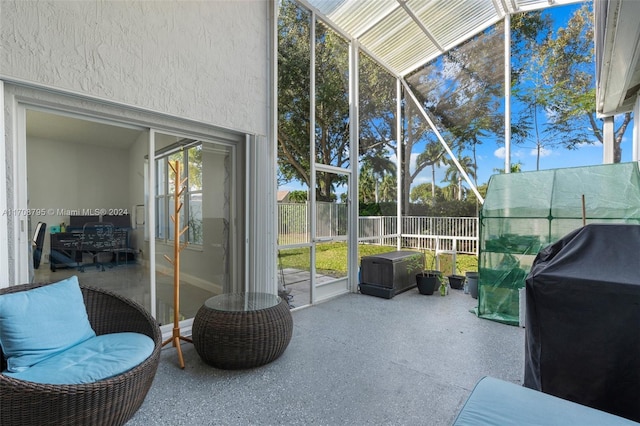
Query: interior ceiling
pixel 404 34
pixel 64 128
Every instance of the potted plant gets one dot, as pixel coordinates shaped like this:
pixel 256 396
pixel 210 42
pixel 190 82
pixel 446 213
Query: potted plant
pixel 456 282
pixel 427 280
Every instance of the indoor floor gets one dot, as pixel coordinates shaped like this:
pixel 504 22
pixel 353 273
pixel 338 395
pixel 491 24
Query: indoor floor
pixel 353 360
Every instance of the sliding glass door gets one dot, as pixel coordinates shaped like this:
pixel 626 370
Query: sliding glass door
pixel 106 209
pixel 204 189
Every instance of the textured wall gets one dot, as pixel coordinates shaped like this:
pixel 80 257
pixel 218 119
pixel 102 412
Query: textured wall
pixel 202 60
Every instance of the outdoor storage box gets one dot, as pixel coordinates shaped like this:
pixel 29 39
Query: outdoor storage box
pixel 582 314
pixel 387 274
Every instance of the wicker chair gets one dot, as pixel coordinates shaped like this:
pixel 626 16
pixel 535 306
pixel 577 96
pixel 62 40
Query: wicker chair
pixel 112 401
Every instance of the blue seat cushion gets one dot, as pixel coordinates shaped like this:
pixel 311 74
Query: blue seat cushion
pixel 495 402
pixel 42 322
pixel 94 359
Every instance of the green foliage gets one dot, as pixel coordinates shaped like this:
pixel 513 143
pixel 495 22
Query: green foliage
pixel 424 194
pixel 293 93
pixel 377 180
pixel 482 189
pixel 331 132
pixel 450 208
pixel 298 196
pixel 515 168
pixel 369 209
pixel 454 176
pixel 388 209
pixel 555 75
pixel 416 264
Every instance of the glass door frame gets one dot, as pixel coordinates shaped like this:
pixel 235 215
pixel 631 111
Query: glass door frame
pixel 316 296
pixel 23 98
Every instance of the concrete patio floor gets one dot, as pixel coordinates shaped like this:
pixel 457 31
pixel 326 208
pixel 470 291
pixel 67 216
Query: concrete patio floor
pixel 353 360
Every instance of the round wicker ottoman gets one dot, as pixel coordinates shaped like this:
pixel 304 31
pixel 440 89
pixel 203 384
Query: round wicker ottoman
pixel 242 330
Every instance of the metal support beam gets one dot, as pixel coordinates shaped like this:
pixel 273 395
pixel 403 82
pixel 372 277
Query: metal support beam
pixel 608 138
pixel 442 141
pixel 507 93
pixel 420 25
pixel 4 229
pixel 354 151
pixel 635 144
pixel 399 142
pixel 311 198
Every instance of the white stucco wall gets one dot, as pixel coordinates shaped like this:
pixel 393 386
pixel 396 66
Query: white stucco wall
pixel 206 64
pixel 202 60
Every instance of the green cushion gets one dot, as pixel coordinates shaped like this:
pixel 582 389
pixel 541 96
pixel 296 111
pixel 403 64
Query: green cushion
pixel 40 323
pixel 95 359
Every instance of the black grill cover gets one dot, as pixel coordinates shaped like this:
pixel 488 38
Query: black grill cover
pixel 582 339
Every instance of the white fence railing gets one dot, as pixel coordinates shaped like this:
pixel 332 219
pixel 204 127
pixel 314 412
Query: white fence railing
pixel 441 234
pixel 293 224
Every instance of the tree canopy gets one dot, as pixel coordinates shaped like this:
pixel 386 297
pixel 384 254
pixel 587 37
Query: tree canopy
pixel 559 84
pixel 462 92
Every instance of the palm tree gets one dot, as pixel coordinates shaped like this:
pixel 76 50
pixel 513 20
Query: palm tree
pixel 434 156
pixel 454 177
pixel 380 167
pixel 366 184
pixel 388 188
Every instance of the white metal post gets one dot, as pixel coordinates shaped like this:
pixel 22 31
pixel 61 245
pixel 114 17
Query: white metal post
pixel 607 139
pixel 635 144
pixel 151 220
pixel 354 149
pixel 399 144
pixel 507 93
pixel 4 231
pixel 312 154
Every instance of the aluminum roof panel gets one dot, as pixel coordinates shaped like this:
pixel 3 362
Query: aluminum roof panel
pixel 405 34
pixel 452 20
pixel 398 40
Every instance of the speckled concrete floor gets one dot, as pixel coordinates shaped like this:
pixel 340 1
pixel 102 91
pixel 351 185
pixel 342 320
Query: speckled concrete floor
pixel 354 360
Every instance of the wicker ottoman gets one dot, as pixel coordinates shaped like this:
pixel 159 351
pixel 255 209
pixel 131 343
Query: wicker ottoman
pixel 242 330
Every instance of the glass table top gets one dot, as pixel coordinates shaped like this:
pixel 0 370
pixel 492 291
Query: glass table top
pixel 242 302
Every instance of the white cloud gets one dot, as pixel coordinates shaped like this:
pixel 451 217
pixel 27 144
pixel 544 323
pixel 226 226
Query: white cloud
pixel 544 152
pixel 595 144
pixel 501 153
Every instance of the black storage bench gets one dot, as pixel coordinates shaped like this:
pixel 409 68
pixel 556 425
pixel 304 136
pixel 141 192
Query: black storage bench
pixel 387 274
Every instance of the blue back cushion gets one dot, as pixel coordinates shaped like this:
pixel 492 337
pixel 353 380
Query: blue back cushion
pixel 40 323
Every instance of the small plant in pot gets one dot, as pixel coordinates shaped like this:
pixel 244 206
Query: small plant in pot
pixel 456 282
pixel 427 280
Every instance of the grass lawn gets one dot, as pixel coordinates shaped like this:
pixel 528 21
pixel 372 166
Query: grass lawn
pixel 333 257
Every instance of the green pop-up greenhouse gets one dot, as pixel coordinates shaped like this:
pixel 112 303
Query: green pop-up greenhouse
pixel 524 212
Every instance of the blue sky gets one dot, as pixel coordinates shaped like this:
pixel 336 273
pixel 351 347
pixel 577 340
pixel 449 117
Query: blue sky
pixel 491 156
